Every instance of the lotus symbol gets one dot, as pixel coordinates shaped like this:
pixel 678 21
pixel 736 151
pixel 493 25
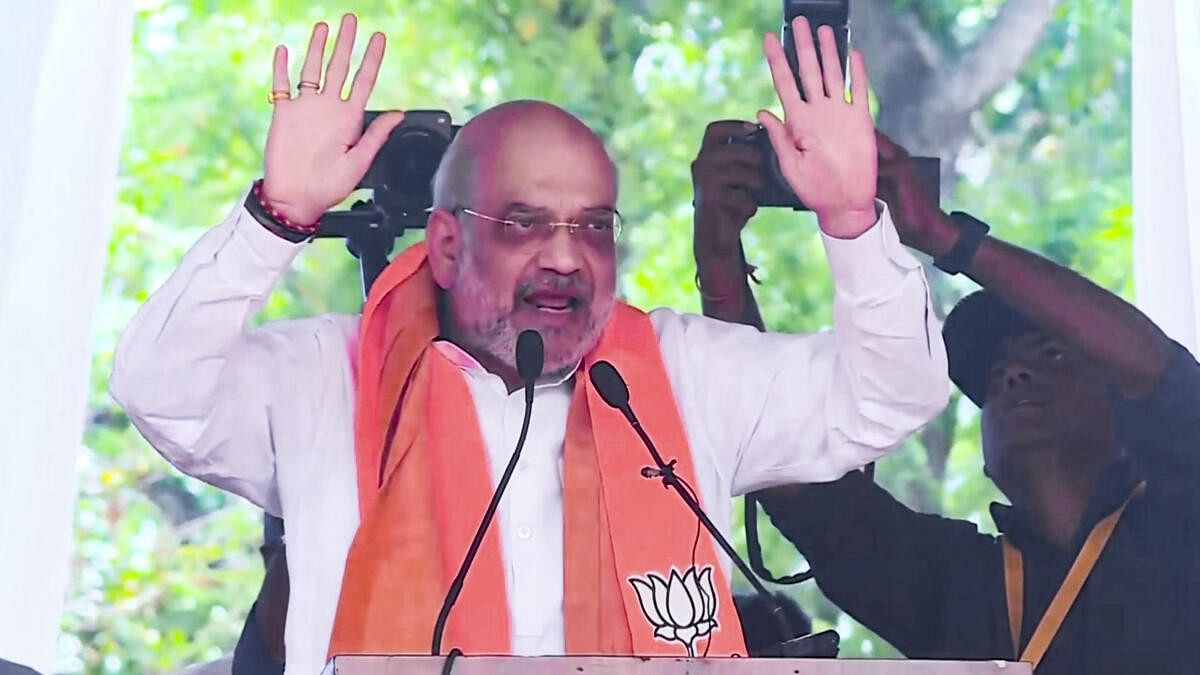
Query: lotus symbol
pixel 682 608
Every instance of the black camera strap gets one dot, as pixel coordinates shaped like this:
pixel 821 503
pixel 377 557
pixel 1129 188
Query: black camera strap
pixel 754 549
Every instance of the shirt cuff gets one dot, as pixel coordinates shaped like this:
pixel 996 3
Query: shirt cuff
pixel 251 258
pixel 872 264
pixel 270 250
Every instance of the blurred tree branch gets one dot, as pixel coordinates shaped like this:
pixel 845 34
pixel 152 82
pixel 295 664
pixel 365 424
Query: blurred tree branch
pixel 171 496
pixel 996 56
pixel 926 95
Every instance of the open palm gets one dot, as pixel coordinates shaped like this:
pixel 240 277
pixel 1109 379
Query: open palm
pixel 316 149
pixel 825 145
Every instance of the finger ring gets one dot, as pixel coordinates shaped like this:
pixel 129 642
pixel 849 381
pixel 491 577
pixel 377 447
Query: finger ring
pixel 278 94
pixel 305 84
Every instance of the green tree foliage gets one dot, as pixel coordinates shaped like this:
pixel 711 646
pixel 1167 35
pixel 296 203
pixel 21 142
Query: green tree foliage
pixel 165 567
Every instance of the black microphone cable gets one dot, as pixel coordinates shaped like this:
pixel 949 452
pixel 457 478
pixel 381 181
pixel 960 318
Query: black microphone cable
pixel 530 359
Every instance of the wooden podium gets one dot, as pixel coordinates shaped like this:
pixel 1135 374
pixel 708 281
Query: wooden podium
pixel 583 665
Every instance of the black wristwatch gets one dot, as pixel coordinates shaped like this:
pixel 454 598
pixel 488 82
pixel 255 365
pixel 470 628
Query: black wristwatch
pixel 971 233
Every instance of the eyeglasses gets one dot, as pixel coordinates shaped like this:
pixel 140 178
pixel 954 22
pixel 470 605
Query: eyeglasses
pixel 598 228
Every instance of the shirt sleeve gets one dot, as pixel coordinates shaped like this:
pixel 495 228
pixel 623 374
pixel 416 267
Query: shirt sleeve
pixel 1162 430
pixel 200 387
pixel 781 408
pixel 907 576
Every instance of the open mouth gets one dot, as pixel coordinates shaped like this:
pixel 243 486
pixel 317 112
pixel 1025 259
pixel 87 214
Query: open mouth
pixel 553 302
pixel 1027 403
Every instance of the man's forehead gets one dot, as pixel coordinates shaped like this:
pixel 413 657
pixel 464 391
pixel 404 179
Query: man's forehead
pixel 526 207
pixel 556 184
pixel 1014 346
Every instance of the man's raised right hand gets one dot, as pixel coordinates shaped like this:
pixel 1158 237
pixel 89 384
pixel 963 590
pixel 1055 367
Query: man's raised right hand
pixel 316 149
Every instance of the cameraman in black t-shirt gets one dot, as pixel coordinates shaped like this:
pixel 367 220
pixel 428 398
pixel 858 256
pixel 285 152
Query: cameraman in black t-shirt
pixel 1090 427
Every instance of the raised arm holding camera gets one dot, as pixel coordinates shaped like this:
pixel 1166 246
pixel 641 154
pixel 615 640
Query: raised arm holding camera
pixel 726 177
pixel 1090 428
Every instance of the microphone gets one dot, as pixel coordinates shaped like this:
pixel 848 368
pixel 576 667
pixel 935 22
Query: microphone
pixel 531 357
pixel 612 388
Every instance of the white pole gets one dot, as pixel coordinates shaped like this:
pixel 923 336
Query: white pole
pixel 1166 164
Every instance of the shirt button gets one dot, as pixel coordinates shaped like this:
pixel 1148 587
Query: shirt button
pixel 524 532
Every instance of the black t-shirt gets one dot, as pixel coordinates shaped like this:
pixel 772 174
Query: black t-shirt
pixel 934 587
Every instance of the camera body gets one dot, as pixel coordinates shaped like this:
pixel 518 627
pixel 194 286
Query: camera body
pixel 401 175
pixel 777 192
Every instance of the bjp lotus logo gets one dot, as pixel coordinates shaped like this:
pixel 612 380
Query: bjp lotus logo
pixel 682 609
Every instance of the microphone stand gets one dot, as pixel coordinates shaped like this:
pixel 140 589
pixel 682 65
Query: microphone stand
pixel 615 392
pixel 792 645
pixel 530 360
pixel 666 471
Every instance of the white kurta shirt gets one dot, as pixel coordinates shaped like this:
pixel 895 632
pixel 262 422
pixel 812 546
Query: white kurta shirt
pixel 268 414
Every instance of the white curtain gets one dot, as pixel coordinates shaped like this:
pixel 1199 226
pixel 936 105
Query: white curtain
pixel 60 122
pixel 1166 164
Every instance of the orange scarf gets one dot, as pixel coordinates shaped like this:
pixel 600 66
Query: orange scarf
pixel 630 582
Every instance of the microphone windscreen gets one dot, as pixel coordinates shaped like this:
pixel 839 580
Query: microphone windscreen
pixel 531 356
pixel 609 383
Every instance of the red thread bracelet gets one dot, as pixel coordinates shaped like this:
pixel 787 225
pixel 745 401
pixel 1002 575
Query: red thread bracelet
pixel 278 217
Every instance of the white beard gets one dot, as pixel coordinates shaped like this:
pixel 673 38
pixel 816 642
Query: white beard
pixel 482 325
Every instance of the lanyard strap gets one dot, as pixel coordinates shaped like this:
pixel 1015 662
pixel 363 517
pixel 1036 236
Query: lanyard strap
pixel 1014 585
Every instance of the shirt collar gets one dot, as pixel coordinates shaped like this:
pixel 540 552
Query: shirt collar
pixel 467 363
pixel 1116 481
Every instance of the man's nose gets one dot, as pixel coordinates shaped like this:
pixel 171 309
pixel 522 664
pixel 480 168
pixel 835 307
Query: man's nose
pixel 561 252
pixel 1017 374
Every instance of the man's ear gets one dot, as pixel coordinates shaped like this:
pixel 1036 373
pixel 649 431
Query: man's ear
pixel 444 239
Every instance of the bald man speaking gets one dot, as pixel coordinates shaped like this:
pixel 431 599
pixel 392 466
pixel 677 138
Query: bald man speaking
pixel 379 438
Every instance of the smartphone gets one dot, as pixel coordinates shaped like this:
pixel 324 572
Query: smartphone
pixel 833 13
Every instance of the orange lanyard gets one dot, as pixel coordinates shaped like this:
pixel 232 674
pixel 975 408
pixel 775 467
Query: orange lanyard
pixel 1014 585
